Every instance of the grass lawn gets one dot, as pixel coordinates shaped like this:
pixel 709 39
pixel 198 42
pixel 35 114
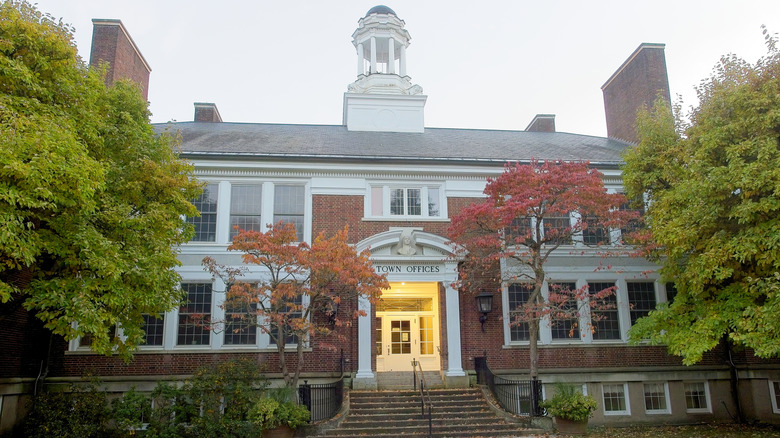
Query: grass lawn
pixel 695 431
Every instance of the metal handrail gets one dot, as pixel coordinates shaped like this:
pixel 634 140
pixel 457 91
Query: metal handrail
pixel 425 393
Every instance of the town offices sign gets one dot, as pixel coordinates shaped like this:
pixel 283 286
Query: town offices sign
pixel 407 269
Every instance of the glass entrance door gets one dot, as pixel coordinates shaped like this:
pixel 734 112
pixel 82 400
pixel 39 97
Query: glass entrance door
pixel 402 343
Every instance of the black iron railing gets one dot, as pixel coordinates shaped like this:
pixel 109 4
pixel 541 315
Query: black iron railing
pixel 322 399
pixel 425 394
pixel 520 397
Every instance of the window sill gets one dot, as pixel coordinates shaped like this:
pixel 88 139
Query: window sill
pixel 404 219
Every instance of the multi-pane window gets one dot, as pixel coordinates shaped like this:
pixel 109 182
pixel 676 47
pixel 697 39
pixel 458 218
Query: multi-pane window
pixel 557 230
pixel 245 208
pixel 289 206
pixel 615 399
pixel 420 201
pixel 519 230
pixel 206 224
pixel 86 339
pixel 697 397
pixel 564 324
pixel 153 327
pixel 774 394
pixel 400 337
pixel 290 311
pixel 641 298
pixel 195 314
pixel 606 320
pixel 240 323
pixel 634 224
pixel 594 233
pixel 519 293
pixel 378 322
pixel 426 335
pixel 656 401
pixel 406 202
pixel 671 292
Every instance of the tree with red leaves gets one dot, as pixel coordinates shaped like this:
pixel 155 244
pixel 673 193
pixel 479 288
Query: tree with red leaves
pixel 532 210
pixel 301 288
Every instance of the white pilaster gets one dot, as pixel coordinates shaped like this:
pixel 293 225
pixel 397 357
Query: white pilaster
pixel 391 55
pixel 360 64
pixel 217 312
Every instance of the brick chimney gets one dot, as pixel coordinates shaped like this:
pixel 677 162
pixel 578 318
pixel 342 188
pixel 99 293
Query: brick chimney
pixel 207 112
pixel 542 123
pixel 111 43
pixel 636 84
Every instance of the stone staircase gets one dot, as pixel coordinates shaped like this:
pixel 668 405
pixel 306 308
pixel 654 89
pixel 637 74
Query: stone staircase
pixel 405 379
pixel 455 413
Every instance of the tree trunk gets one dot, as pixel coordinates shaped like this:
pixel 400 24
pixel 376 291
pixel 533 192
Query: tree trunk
pixel 533 350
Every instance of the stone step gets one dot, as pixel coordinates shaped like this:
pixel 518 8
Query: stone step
pixel 455 413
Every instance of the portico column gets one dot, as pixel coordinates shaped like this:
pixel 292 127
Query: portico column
pixel 364 340
pixel 454 358
pixel 360 64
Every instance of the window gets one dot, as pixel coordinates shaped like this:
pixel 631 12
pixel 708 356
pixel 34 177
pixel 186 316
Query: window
pixel 697 397
pixel 400 337
pixel 606 321
pixel 565 326
pixel 557 230
pixel 378 322
pixel 86 340
pixel 426 335
pixel 641 297
pixel 289 206
pixel 656 398
pixel 195 314
pixel 416 201
pixel 634 224
pixel 291 311
pixel 671 292
pixel 615 399
pixel 206 224
pixel 519 293
pixel 774 394
pixel 240 323
pixel 520 230
pixel 153 327
pixel 594 233
pixel 245 206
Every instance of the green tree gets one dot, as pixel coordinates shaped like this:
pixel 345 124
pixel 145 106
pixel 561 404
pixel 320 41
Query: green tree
pixel 712 186
pixel 91 198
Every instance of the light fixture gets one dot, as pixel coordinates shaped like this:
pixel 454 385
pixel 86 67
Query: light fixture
pixel 484 306
pixel 331 310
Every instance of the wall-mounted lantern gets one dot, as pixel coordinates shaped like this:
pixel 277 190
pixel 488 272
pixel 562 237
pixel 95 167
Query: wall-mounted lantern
pixel 331 310
pixel 484 306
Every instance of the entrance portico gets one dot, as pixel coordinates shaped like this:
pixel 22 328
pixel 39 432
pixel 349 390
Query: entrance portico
pixel 418 317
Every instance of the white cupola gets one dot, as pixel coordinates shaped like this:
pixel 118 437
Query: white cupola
pixel 383 98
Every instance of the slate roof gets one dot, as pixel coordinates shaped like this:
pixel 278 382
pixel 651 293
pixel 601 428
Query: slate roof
pixel 335 143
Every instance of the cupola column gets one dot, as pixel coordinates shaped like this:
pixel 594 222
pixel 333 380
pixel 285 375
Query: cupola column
pixel 402 62
pixel 361 62
pixel 373 55
pixel 391 55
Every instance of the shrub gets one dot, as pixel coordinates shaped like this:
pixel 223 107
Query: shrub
pixel 78 412
pixel 269 413
pixel 570 404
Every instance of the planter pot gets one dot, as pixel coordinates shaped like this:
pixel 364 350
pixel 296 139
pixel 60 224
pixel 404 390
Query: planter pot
pixel 279 432
pixel 569 427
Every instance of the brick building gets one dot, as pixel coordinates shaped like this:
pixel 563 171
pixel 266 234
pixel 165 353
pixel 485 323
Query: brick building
pixel 397 184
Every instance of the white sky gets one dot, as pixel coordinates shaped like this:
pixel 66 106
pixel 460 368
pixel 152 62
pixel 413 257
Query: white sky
pixel 483 64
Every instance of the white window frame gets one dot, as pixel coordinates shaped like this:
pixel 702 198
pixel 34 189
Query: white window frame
pixel 386 189
pixel 626 399
pixel 773 395
pixel 708 409
pixel 668 409
pixel 145 346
